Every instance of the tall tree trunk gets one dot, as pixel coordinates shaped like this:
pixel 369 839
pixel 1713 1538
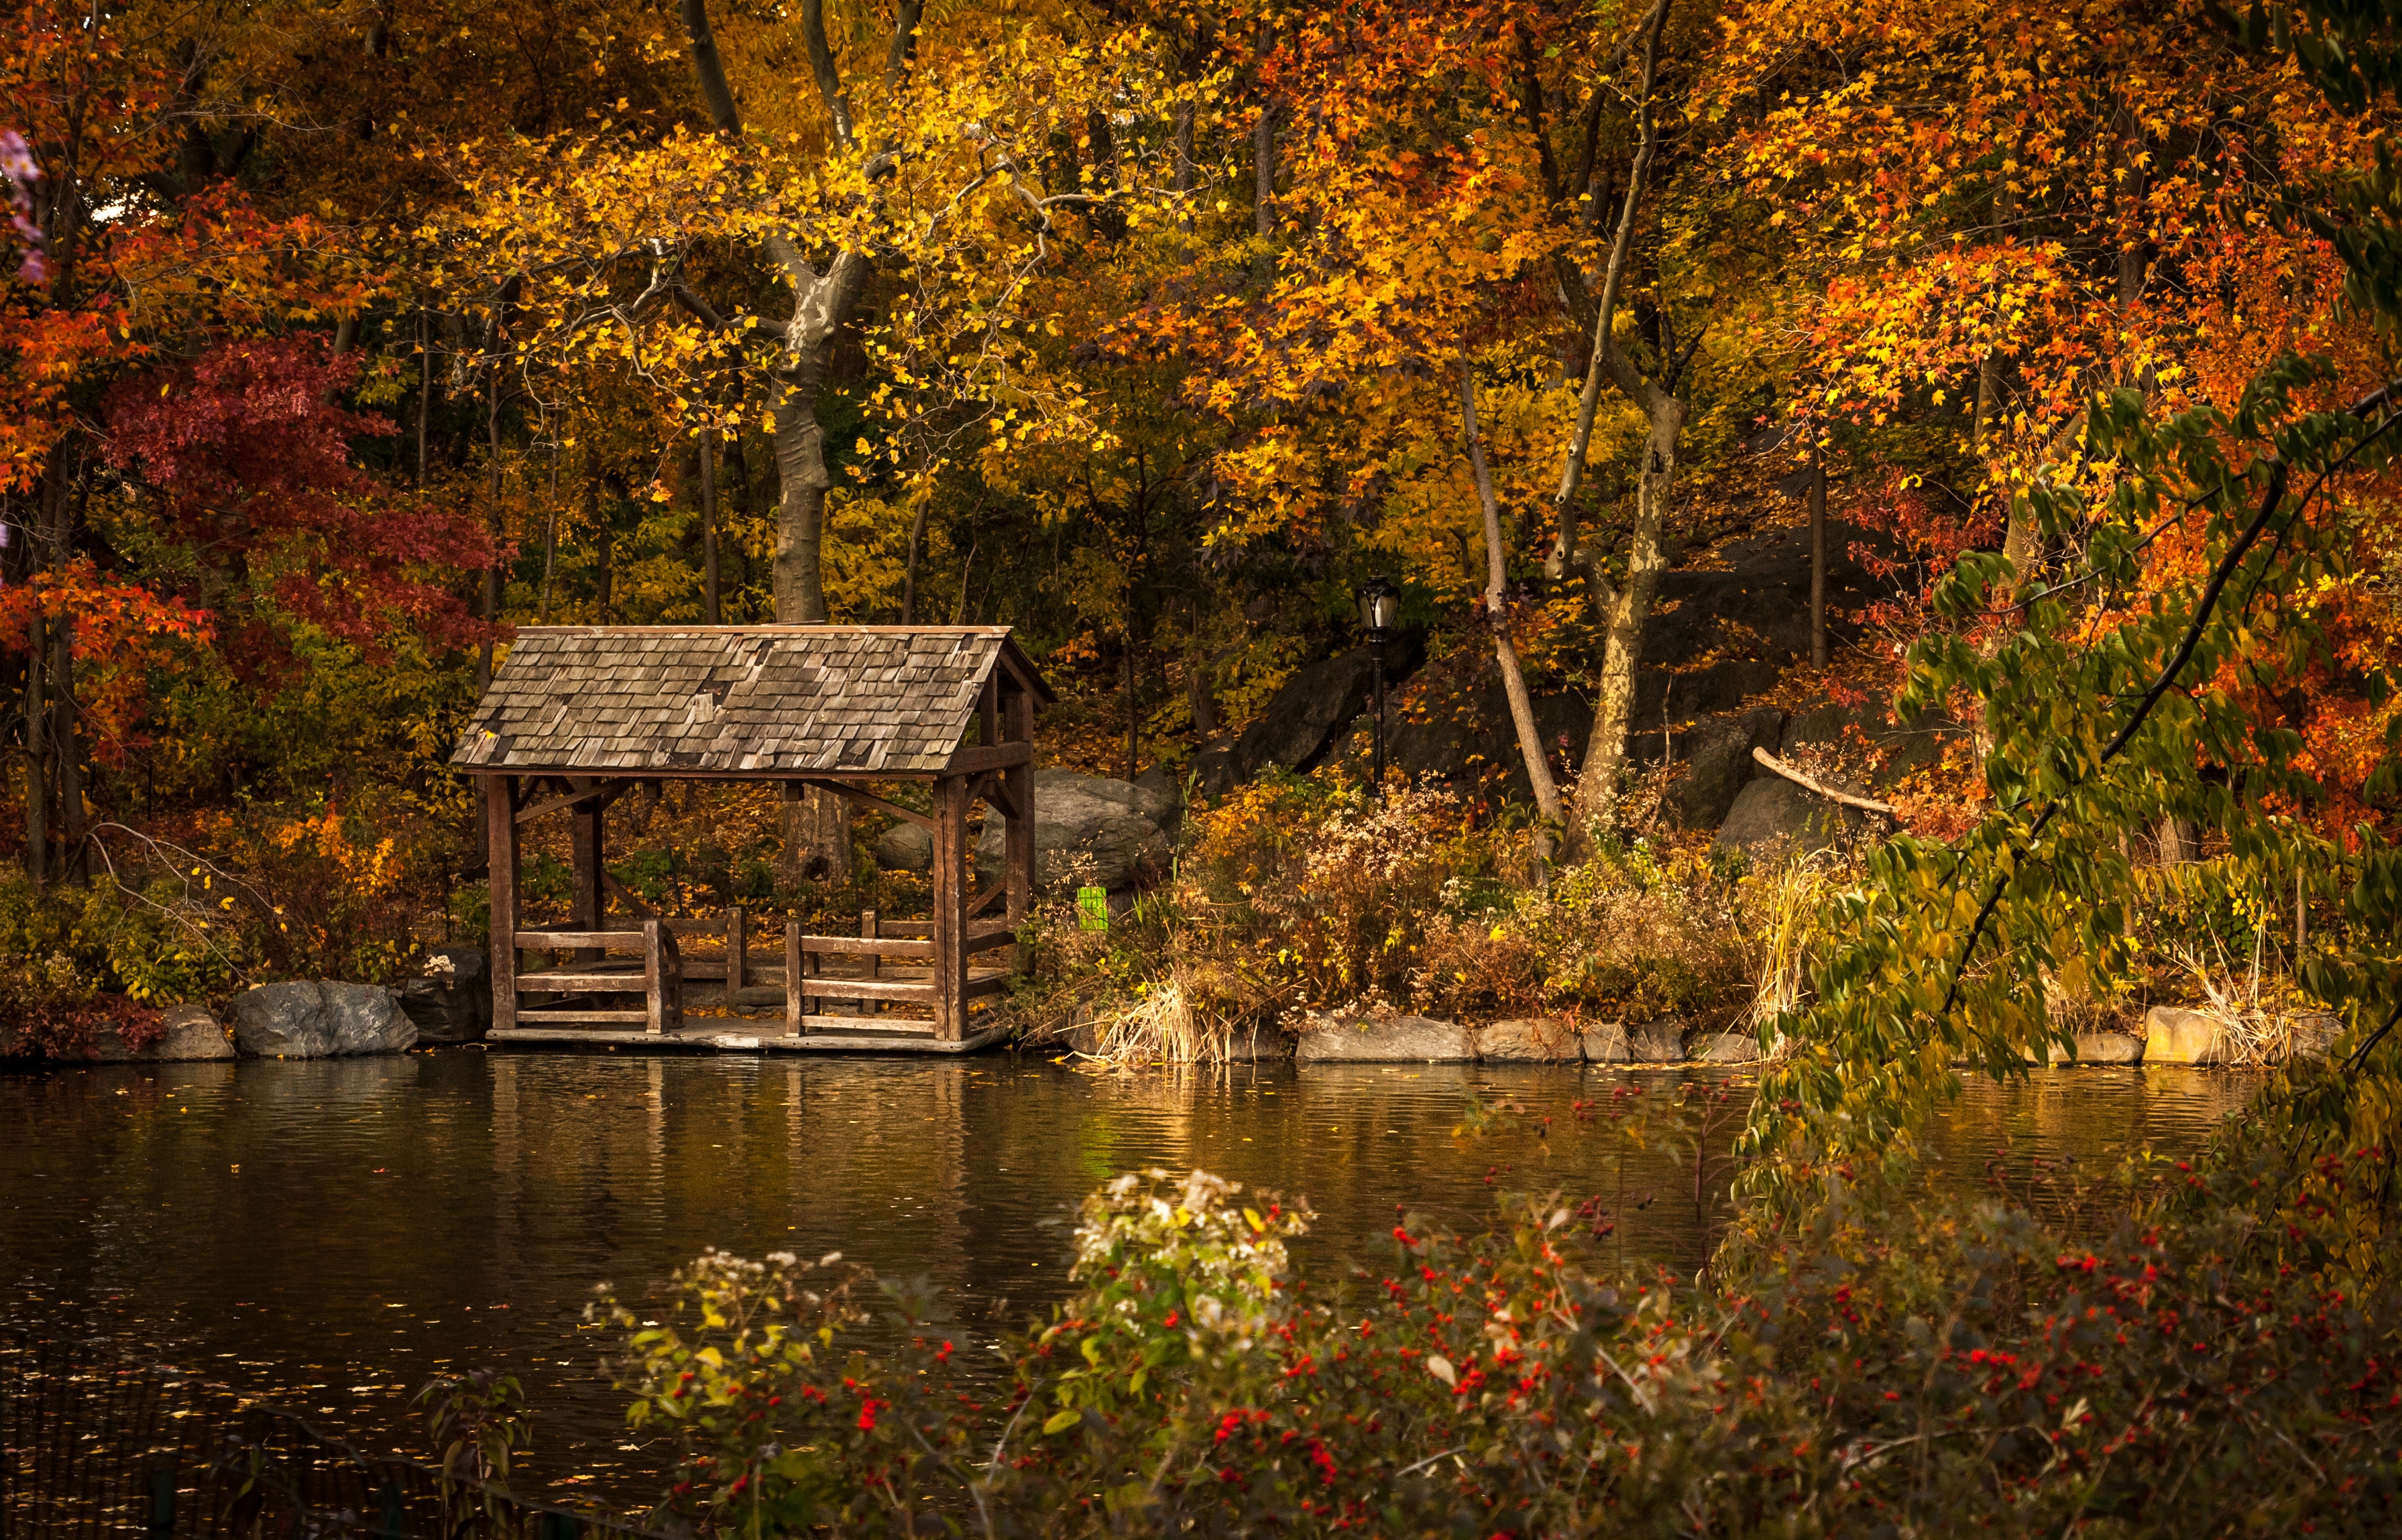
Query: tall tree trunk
pixel 1563 557
pixel 1627 607
pixel 1505 652
pixel 63 750
pixel 491 608
pixel 1817 558
pixel 708 526
pixel 37 769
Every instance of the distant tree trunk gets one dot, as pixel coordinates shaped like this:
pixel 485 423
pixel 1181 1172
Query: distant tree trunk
pixel 1263 171
pixel 38 778
pixel 1817 559
pixel 909 573
pixel 549 537
pixel 708 526
pixel 63 750
pixel 491 610
pixel 1133 709
pixel 1513 677
pixel 424 390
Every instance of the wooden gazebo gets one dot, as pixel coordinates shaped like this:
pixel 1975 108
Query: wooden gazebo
pixel 576 716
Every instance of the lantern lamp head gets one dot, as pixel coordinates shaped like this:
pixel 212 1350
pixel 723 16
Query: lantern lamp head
pixel 1380 606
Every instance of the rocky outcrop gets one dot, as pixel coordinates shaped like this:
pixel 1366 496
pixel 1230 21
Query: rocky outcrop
pixel 320 1020
pixel 454 1002
pixel 2172 1036
pixel 189 1034
pixel 2100 1048
pixel 1086 828
pixel 1337 1038
pixel 1538 1039
pixel 904 847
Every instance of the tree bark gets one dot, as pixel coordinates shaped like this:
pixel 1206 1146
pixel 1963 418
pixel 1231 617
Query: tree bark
pixel 1817 558
pixel 1505 652
pixel 709 525
pixel 1625 607
pixel 1563 557
pixel 491 608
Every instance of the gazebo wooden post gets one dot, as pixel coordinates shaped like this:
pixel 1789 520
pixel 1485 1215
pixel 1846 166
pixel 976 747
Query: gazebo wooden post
pixel 501 844
pixel 950 903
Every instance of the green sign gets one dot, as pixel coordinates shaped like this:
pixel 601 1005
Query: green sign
pixel 1092 908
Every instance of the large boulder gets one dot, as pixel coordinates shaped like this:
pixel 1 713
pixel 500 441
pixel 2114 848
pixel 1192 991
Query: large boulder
pixel 2104 1047
pixel 2185 1036
pixel 320 1020
pixel 1725 1048
pixel 1605 1043
pixel 1086 828
pixel 190 1033
pixel 1656 1042
pixel 1771 816
pixel 1538 1039
pixel 906 847
pixel 454 1002
pixel 1336 1038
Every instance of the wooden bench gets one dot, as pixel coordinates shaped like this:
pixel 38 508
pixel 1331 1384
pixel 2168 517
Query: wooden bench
pixel 654 972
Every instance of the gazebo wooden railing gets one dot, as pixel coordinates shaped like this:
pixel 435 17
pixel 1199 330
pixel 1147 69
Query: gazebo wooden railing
pixel 576 716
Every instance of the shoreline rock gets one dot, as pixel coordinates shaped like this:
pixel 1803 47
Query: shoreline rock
pixel 320 1019
pixel 191 1036
pixel 1333 1039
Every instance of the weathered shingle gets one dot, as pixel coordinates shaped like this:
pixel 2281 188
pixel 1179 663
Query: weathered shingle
pixel 758 699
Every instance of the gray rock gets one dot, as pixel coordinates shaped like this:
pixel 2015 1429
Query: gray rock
pixel 2185 1036
pixel 1725 1048
pixel 1824 726
pixel 454 1002
pixel 1335 1039
pixel 190 1034
pixel 1656 1042
pixel 904 847
pixel 1084 827
pixel 1607 1044
pixel 1538 1039
pixel 2100 1048
pixel 1773 816
pixel 317 1020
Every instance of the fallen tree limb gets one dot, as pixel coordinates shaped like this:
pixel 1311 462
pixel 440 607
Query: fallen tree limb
pixel 1866 804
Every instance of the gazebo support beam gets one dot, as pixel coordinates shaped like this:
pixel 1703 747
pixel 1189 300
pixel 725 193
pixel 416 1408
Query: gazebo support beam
pixel 501 827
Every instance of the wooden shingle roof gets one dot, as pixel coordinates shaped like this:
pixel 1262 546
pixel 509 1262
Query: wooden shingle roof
pixel 764 699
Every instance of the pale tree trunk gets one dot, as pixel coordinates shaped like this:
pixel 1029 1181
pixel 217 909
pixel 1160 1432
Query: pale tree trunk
pixel 1513 677
pixel 1626 606
pixel 1623 607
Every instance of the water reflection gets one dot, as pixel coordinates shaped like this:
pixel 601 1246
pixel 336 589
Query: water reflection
pixel 330 1234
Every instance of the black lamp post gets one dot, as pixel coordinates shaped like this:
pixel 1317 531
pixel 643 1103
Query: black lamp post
pixel 1380 605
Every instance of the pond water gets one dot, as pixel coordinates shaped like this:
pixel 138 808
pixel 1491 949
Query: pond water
pixel 328 1235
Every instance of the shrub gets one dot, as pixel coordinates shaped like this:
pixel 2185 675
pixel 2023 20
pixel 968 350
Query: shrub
pixel 1866 1365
